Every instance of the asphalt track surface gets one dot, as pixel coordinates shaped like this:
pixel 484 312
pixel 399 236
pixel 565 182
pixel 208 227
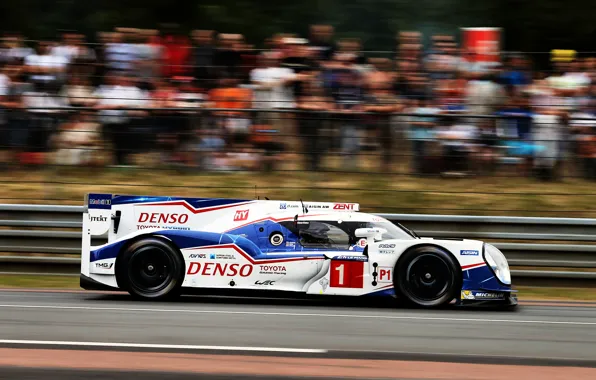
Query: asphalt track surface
pixel 551 334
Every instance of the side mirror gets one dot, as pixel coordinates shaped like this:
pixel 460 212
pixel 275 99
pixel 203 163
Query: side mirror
pixel 368 233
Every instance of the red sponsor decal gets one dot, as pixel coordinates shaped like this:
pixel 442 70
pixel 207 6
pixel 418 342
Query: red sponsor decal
pixel 347 274
pixel 484 44
pixel 385 274
pixel 241 215
pixel 362 243
pixel 157 217
pixel 219 269
pixel 344 206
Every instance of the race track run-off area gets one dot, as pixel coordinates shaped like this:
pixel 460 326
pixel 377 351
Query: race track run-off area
pixel 92 331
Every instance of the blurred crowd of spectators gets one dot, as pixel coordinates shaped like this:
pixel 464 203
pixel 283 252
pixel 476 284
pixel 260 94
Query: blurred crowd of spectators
pixel 214 101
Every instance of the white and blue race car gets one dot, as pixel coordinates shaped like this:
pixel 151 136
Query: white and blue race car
pixel 159 247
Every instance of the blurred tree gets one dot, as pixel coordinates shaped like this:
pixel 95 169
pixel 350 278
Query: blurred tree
pixel 530 25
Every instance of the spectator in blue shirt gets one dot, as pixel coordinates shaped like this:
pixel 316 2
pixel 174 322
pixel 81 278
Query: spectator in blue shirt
pixel 422 130
pixel 514 73
pixel 515 127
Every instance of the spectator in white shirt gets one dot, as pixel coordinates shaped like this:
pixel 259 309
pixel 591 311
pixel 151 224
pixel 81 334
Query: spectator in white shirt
pixel 577 77
pixel 116 104
pixel 45 108
pixel 77 141
pixel 483 96
pixel 547 132
pixel 272 83
pixel 273 90
pixel 120 55
pixel 67 48
pixel 149 57
pixel 4 84
pixel 14 50
pixel 80 58
pixel 582 122
pixel 44 68
pixel 459 140
pixel 4 91
pixel 78 92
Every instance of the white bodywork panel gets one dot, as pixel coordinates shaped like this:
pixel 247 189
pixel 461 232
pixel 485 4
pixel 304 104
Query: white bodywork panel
pixel 228 266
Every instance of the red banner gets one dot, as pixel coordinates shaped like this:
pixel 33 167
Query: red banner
pixel 483 43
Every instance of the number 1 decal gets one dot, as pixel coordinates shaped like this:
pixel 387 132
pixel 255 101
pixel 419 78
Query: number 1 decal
pixel 340 269
pixel 347 274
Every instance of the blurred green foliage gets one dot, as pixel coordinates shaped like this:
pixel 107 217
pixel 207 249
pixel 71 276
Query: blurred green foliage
pixel 530 25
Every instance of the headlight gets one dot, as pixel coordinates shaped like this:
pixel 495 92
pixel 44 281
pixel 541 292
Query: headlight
pixel 498 263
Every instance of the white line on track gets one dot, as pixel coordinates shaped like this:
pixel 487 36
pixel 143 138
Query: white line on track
pixel 318 315
pixel 160 346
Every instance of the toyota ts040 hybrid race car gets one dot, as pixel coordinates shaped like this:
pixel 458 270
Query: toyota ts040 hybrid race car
pixel 162 246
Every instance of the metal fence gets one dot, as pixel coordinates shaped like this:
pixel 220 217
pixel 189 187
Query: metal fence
pixel 543 251
pixel 378 154
pixel 390 142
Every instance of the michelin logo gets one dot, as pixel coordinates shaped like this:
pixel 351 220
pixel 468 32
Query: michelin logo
pixel 488 296
pixel 467 295
pixel 475 295
pixel 468 252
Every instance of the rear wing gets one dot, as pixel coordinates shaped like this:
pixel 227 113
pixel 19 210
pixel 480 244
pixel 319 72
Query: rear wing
pixel 98 213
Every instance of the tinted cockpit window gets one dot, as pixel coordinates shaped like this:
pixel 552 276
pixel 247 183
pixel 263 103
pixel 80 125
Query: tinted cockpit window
pixel 324 235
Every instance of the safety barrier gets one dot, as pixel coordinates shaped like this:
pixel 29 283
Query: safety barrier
pixel 47 238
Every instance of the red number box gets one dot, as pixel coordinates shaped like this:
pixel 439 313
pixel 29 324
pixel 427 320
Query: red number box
pixel 347 274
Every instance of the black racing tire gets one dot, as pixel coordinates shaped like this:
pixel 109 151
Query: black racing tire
pixel 428 277
pixel 150 268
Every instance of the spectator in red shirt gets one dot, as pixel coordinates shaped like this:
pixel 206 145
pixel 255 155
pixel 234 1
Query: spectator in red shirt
pixel 177 51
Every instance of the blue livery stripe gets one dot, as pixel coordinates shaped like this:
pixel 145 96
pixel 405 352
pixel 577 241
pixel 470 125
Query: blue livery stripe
pixel 194 202
pixel 197 239
pixel 482 278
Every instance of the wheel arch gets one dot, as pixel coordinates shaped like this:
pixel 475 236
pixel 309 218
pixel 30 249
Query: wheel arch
pixel 420 245
pixel 458 268
pixel 138 238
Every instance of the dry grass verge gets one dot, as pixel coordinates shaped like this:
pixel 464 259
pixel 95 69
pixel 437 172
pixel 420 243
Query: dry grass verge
pixel 374 191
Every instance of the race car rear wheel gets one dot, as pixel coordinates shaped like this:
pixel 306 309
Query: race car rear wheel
pixel 150 268
pixel 428 277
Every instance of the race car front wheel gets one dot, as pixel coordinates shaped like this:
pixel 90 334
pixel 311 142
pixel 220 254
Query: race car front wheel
pixel 150 268
pixel 428 277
